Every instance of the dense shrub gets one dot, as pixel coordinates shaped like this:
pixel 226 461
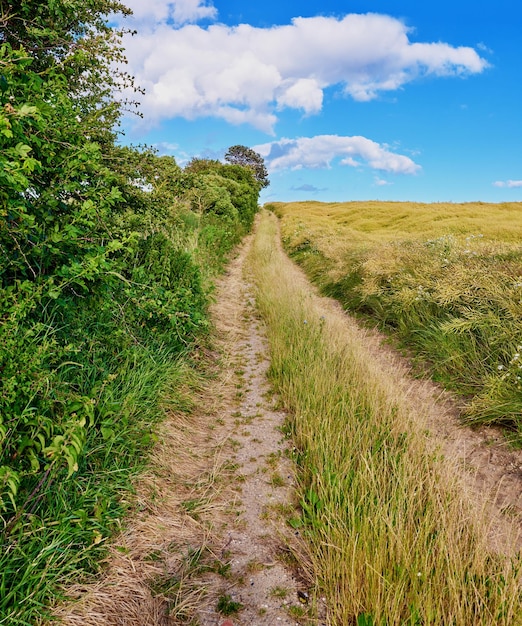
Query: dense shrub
pixel 105 270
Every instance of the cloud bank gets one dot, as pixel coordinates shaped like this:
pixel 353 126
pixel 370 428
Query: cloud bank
pixel 320 151
pixel 308 188
pixel 510 184
pixel 248 75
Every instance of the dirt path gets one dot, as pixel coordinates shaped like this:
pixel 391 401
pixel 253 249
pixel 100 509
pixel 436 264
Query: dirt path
pixel 490 468
pixel 262 550
pixel 210 541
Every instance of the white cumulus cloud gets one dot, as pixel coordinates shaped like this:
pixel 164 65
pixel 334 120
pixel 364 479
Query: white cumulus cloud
pixel 510 184
pixel 149 12
pixel 245 74
pixel 303 93
pixel 320 151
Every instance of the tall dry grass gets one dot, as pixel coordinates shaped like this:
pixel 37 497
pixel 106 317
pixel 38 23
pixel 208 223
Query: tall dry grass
pixel 394 543
pixel 446 279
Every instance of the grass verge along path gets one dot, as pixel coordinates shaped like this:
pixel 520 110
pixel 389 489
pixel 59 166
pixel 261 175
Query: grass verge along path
pixel 394 541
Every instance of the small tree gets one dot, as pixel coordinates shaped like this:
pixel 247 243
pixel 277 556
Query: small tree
pixel 246 157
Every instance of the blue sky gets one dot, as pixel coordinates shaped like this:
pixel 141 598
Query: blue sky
pixel 345 100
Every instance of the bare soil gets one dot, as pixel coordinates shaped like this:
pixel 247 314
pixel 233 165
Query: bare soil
pixel 210 540
pixel 263 551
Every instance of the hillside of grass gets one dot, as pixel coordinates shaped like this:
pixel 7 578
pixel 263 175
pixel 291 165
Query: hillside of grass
pixel 445 279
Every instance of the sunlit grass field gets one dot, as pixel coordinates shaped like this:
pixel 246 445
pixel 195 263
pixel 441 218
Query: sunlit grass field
pixel 392 540
pixel 445 279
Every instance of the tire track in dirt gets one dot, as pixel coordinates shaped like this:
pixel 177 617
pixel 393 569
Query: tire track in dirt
pixel 263 551
pixel 490 469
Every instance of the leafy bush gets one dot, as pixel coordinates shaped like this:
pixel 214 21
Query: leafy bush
pixel 105 272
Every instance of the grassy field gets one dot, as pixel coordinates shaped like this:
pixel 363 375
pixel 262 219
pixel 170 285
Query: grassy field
pixel 446 279
pixel 392 541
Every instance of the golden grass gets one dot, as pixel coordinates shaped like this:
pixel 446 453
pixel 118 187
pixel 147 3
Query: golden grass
pixel 363 221
pixel 447 278
pixel 394 540
pixel 337 229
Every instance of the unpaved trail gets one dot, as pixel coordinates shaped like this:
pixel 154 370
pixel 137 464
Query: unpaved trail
pixel 211 541
pixel 211 534
pixel 261 548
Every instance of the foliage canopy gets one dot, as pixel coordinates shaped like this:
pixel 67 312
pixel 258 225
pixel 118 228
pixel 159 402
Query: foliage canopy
pixel 241 155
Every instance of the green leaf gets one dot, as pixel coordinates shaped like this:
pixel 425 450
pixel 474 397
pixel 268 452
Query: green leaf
pixel 107 433
pixel 26 110
pixel 72 465
pixel 295 522
pixel 22 150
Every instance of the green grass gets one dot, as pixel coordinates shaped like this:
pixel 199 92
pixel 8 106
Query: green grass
pixel 62 534
pixel 446 280
pixel 125 370
pixel 392 541
pixel 227 606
